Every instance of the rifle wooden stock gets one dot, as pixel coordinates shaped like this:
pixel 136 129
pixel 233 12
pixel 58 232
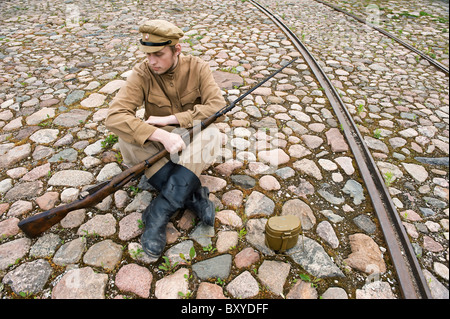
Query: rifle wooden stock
pixel 35 225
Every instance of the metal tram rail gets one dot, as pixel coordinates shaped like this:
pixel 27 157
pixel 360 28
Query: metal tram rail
pixel 410 276
pixel 425 56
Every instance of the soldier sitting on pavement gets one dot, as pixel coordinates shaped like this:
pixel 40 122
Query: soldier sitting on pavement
pixel 176 91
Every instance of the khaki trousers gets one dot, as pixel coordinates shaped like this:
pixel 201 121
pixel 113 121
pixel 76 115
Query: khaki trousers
pixel 198 155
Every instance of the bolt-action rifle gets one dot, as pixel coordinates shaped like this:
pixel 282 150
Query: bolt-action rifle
pixel 37 224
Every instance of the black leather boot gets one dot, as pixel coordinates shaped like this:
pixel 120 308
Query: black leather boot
pixel 198 203
pixel 160 177
pixel 180 186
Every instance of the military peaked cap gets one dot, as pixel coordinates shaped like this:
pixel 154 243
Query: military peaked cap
pixel 156 34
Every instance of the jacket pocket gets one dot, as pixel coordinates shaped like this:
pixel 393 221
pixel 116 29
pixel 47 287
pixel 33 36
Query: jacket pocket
pixel 190 99
pixel 157 105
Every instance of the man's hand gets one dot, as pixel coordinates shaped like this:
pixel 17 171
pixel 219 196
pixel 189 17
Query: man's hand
pixel 172 142
pixel 162 120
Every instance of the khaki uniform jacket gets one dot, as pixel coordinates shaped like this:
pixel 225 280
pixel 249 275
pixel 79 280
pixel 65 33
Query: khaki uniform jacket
pixel 189 92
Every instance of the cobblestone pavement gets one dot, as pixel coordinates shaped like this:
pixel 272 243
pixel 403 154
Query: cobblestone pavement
pixel 422 24
pixel 62 62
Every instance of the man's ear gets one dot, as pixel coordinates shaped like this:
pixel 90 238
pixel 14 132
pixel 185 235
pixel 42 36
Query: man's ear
pixel 178 49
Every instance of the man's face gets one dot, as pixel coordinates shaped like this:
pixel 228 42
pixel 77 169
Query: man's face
pixel 162 61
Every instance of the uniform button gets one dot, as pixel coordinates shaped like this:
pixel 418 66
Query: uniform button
pixel 171 84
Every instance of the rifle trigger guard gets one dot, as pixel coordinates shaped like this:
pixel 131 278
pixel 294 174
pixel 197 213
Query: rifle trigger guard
pixel 91 190
pixel 83 195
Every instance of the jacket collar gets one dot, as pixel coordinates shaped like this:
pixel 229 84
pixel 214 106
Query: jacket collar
pixel 177 67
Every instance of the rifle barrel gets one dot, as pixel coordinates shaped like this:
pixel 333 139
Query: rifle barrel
pixel 226 109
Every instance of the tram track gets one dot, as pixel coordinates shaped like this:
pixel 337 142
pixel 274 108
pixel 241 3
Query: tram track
pixel 423 55
pixel 410 276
